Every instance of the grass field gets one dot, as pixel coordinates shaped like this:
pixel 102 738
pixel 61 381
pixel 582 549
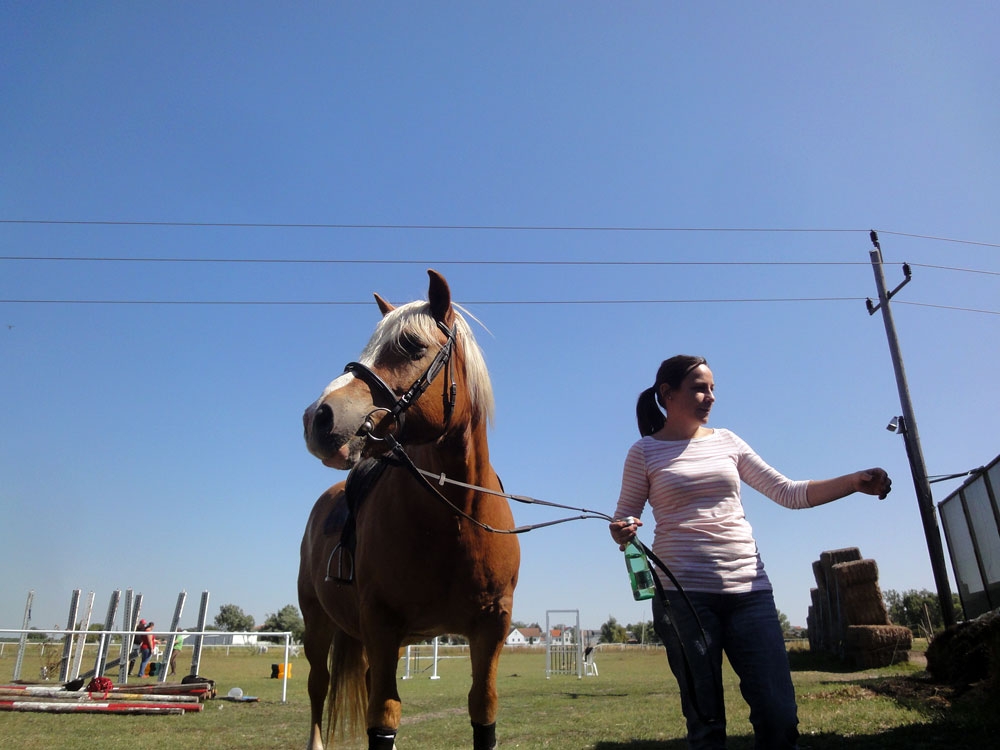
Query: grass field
pixel 632 704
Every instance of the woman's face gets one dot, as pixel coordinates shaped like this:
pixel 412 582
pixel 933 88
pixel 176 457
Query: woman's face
pixel 692 402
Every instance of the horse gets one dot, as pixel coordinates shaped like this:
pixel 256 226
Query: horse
pixel 408 559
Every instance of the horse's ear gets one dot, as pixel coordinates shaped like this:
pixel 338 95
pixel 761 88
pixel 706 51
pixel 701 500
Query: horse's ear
pixel 385 307
pixel 439 296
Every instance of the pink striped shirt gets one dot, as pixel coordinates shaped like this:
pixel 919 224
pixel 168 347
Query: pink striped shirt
pixel 693 488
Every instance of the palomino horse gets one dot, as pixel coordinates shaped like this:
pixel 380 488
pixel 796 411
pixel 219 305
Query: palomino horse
pixel 422 559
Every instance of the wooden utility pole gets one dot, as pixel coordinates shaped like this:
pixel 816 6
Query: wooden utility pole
pixel 907 426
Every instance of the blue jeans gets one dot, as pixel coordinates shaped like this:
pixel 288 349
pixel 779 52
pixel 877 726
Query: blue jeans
pixel 144 658
pixel 745 627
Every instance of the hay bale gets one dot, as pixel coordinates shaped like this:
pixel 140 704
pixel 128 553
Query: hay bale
pixel 832 557
pixel 855 572
pixel 819 620
pixel 812 630
pixel 835 622
pixel 967 652
pixel 873 646
pixel 859 596
pixel 863 605
pixel 819 575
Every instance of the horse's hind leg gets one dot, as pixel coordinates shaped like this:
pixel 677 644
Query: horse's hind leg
pixel 316 639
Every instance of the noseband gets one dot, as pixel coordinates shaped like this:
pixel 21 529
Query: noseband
pixel 397 412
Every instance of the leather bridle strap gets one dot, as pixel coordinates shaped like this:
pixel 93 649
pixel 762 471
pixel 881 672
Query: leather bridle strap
pixel 400 404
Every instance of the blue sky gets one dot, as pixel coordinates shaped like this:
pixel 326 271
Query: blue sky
pixel 158 446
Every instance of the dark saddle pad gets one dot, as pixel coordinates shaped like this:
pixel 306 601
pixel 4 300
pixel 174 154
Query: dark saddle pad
pixel 343 515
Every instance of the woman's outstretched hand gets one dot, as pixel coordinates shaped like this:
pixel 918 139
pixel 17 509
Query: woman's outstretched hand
pixel 874 482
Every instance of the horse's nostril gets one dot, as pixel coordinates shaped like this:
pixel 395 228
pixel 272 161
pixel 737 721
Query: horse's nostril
pixel 323 420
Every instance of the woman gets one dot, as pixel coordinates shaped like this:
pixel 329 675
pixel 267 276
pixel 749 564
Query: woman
pixel 690 475
pixel 147 642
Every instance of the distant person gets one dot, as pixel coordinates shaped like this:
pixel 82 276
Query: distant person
pixel 690 476
pixel 147 642
pixel 178 645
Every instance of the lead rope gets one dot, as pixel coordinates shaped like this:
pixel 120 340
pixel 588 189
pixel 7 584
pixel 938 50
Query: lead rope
pixel 701 646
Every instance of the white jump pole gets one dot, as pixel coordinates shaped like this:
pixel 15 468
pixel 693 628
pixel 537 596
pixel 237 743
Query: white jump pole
pixel 109 624
pixel 128 625
pixel 202 619
pixel 74 609
pixel 174 623
pixel 23 641
pixel 406 666
pixel 88 611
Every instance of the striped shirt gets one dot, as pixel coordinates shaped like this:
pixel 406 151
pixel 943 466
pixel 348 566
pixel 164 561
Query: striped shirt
pixel 693 488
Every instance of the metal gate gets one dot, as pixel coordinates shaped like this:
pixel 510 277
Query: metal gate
pixel 563 644
pixel 971 517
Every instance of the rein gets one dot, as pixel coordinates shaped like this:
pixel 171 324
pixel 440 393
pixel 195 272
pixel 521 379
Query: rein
pixel 423 475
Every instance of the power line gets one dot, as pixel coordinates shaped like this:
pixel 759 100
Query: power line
pixel 954 268
pixel 480 227
pixel 938 239
pixel 440 262
pixel 481 303
pixel 292 303
pixel 371 261
pixel 437 227
pixel 946 307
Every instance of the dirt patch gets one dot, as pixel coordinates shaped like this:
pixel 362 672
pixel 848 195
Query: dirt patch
pixel 916 691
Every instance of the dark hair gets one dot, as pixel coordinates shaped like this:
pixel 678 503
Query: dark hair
pixel 672 372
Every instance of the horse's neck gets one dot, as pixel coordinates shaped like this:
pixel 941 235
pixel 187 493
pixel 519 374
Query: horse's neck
pixel 466 461
pixel 465 458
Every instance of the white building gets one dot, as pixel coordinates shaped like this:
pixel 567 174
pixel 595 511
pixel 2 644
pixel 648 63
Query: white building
pixel 524 637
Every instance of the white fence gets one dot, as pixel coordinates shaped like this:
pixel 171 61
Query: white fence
pixel 73 643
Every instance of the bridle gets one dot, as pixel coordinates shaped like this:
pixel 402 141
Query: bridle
pixel 397 412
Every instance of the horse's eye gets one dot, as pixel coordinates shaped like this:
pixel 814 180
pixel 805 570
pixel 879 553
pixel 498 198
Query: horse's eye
pixel 412 346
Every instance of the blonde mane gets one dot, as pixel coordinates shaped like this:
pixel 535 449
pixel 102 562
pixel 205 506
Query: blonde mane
pixel 415 318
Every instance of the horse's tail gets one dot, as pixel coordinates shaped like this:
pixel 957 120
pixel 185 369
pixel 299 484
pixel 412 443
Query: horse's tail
pixel 347 703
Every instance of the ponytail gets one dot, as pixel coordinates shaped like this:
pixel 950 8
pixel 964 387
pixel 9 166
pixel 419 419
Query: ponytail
pixel 647 414
pixel 671 372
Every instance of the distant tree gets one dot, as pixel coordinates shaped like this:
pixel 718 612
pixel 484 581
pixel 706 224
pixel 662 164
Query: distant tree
pixel 920 611
pixel 93 626
pixel 612 632
pixel 233 619
pixel 37 636
pixel 785 623
pixel 643 632
pixel 285 619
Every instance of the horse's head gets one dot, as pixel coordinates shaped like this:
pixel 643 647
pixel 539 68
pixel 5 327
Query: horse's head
pixel 420 375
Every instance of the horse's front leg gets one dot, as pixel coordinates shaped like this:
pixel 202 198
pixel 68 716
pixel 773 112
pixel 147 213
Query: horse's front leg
pixel 484 649
pixel 384 707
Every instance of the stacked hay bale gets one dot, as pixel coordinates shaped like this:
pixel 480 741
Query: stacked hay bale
pixel 848 617
pixel 967 652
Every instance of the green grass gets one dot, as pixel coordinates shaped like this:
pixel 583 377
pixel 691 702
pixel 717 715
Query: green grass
pixel 632 704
